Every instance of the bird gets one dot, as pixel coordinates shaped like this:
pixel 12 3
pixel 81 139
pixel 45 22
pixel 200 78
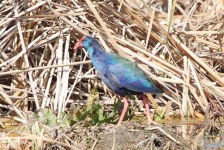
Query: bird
pixel 121 75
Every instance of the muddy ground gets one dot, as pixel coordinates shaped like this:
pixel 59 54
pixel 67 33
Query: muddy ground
pixel 133 136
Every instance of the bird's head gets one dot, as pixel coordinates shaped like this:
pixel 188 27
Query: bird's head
pixel 84 42
pixel 79 43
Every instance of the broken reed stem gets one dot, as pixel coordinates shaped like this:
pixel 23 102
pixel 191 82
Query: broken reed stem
pixel 44 67
pixel 183 48
pixel 102 23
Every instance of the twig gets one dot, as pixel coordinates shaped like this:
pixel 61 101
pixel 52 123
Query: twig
pixel 165 133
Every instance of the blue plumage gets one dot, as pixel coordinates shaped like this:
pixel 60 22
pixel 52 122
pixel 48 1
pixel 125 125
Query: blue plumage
pixel 121 75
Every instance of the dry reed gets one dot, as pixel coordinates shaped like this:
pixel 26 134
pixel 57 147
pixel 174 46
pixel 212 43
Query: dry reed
pixel 181 49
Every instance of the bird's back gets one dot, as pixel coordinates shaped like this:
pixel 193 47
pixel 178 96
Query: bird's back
pixel 121 75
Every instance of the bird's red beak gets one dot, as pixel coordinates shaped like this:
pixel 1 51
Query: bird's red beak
pixel 79 43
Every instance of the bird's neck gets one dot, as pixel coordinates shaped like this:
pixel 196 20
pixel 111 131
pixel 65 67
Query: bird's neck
pixel 95 52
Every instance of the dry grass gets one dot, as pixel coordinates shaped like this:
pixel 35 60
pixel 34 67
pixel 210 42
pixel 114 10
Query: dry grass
pixel 181 49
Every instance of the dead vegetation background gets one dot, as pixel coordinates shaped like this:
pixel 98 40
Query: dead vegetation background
pixel 177 43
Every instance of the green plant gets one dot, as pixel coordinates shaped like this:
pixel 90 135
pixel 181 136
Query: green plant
pixel 47 117
pixel 93 113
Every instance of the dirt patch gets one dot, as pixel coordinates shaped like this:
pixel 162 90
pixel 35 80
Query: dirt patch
pixel 134 136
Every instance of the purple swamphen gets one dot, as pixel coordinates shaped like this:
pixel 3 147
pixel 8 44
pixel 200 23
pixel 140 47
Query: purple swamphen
pixel 121 75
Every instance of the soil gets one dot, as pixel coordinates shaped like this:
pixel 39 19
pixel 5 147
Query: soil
pixel 133 136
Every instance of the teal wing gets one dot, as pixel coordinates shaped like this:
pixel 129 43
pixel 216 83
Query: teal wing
pixel 128 75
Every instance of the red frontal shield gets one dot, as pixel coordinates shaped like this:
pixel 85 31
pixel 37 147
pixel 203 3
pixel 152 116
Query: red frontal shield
pixel 79 43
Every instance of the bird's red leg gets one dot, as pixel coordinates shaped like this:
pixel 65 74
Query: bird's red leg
pixel 146 103
pixel 123 111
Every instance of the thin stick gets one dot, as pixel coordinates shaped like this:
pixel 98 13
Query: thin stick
pixel 44 67
pixel 26 57
pixel 165 133
pixel 102 23
pixel 185 49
